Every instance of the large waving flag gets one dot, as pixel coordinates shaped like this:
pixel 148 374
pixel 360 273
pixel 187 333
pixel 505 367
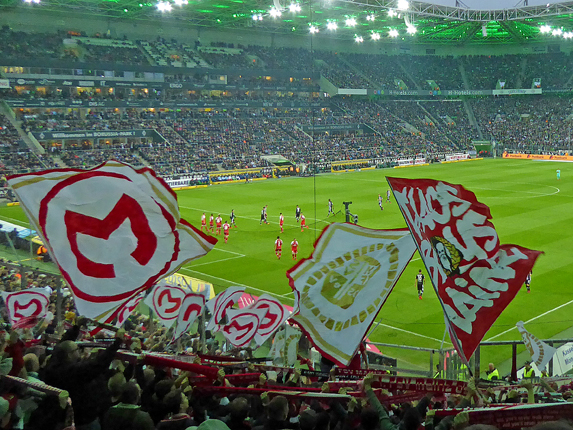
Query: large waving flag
pixel 541 353
pixel 219 305
pixel 242 325
pixel 340 289
pixel 276 315
pixel 474 276
pixel 284 350
pixel 113 231
pixel 29 305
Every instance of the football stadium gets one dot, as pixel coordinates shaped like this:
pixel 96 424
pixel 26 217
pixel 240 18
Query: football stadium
pixel 287 214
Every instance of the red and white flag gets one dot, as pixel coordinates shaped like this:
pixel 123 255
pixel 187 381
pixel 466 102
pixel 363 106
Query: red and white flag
pixel 540 352
pixel 127 309
pixel 474 276
pixel 26 305
pixel 113 231
pixel 165 301
pixel 242 325
pixel 192 306
pixel 340 289
pixel 276 315
pixel 219 305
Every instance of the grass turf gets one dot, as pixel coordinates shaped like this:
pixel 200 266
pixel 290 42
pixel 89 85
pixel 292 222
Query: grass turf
pixel 529 207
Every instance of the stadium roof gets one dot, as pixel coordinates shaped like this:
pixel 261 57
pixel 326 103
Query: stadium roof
pixel 412 22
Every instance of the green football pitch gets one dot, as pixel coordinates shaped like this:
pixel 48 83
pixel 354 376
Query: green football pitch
pixel 530 207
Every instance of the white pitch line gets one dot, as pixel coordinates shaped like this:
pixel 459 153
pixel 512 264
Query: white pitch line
pixel 252 218
pixel 412 333
pixel 230 252
pixel 218 261
pixel 530 320
pixel 231 282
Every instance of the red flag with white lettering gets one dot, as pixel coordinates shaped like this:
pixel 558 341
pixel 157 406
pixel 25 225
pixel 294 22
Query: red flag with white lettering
pixel 112 230
pixel 474 276
pixel 26 305
pixel 192 306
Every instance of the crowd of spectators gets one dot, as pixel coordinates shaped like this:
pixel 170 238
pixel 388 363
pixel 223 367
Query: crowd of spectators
pixel 9 137
pixel 484 71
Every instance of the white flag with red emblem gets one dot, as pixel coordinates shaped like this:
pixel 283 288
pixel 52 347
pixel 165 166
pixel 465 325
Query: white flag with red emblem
pixel 113 231
pixel 242 325
pixel 26 305
pixel 127 309
pixel 340 289
pixel 165 302
pixel 276 315
pixel 192 306
pixel 474 276
pixel 219 305
pixel 540 352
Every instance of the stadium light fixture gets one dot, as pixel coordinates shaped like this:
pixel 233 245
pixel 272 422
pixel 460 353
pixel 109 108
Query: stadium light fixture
pixel 544 29
pixel 32 1
pixel 164 6
pixel 568 35
pixel 557 32
pixel 392 13
pixel 351 22
pixel 257 17
pixel 410 29
pixel 375 36
pixel 403 5
pixel 294 7
pixel 371 17
pixel 332 25
pixel 393 32
pixel 313 29
pixel 274 12
pixel 180 2
pixel 358 39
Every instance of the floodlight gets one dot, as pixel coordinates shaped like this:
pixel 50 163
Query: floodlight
pixel 258 17
pixel 392 13
pixel 403 5
pixel 274 12
pixel 358 39
pixel 545 29
pixel 375 36
pixel 32 1
pixel 164 6
pixel 332 25
pixel 393 32
pixel 557 32
pixel 294 7
pixel 351 22
pixel 568 35
pixel 180 2
pixel 371 17
pixel 313 29
pixel 410 29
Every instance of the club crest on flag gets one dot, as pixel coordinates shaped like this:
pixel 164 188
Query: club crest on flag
pixel 540 352
pixel 112 230
pixel 26 304
pixel 340 289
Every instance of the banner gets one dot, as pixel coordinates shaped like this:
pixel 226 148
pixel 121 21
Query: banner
pixel 242 325
pixel 192 306
pixel 4 83
pixel 112 230
pixel 340 289
pixel 127 309
pixel 29 305
pixel 218 306
pixel 538 157
pixel 190 284
pixel 92 134
pixel 474 276
pixel 540 352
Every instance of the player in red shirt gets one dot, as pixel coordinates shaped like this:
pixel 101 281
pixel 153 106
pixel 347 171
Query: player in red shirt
pixel 211 220
pixel 219 222
pixel 203 222
pixel 303 223
pixel 226 228
pixel 294 248
pixel 281 221
pixel 278 247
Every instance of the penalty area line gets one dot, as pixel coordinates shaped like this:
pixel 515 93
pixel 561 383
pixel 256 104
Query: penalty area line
pixel 530 320
pixel 232 283
pixel 412 333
